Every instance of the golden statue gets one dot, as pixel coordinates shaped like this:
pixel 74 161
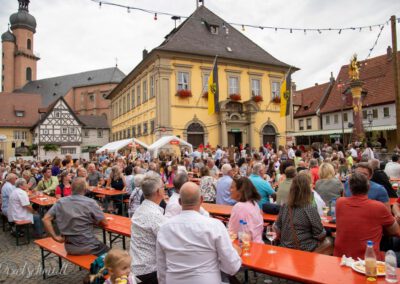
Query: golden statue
pixel 354 72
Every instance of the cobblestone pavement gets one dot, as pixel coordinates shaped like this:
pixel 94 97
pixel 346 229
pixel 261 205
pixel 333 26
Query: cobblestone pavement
pixel 21 264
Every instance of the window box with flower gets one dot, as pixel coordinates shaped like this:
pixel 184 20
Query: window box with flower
pixel 235 97
pixel 184 93
pixel 257 99
pixel 205 95
pixel 276 100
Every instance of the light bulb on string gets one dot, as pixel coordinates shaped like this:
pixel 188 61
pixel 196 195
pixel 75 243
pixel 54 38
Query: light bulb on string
pixel 370 28
pixel 276 29
pixel 360 29
pixel 129 10
pixel 99 5
pixel 291 31
pixel 261 28
pixel 305 31
pixel 155 16
pixel 319 31
pixel 340 31
pixel 243 29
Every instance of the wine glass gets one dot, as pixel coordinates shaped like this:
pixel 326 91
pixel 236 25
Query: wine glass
pixel 246 239
pixel 271 236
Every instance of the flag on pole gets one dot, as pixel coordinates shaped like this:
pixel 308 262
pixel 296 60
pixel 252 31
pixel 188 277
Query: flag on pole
pixel 286 94
pixel 213 95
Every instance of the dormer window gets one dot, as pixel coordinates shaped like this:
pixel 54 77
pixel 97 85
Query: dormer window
pixel 19 113
pixel 214 29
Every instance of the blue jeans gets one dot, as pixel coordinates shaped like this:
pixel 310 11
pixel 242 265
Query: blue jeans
pixel 38 225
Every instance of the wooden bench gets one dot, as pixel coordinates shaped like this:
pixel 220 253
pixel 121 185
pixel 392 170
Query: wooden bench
pixel 25 224
pixel 49 246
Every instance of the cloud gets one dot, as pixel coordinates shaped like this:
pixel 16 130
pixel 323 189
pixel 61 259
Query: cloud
pixel 76 35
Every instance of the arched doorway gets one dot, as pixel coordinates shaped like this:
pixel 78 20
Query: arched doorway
pixel 195 134
pixel 269 135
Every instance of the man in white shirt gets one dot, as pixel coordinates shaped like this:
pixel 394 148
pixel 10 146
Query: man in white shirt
pixel 352 151
pixel 291 153
pixel 192 248
pixel 20 209
pixel 392 169
pixel 173 207
pixel 146 222
pixel 8 187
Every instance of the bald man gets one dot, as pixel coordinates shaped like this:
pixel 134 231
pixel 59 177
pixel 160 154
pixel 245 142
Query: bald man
pixel 197 247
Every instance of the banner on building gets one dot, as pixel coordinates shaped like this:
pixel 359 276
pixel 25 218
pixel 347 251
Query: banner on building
pixel 213 93
pixel 286 94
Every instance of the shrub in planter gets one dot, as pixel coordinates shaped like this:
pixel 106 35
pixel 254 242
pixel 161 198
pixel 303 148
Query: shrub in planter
pixel 276 100
pixel 205 95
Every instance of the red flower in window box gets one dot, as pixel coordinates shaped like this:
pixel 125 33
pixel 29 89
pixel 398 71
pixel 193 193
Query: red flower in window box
pixel 276 100
pixel 257 99
pixel 184 93
pixel 235 97
pixel 205 95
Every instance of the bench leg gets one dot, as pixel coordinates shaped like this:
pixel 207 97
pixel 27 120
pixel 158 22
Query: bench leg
pixel 59 263
pixel 123 243
pixel 111 240
pixel 104 237
pixel 246 275
pixel 43 263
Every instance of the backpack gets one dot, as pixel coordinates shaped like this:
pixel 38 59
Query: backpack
pixel 97 270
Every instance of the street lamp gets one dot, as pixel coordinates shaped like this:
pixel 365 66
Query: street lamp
pixel 370 119
pixel 340 87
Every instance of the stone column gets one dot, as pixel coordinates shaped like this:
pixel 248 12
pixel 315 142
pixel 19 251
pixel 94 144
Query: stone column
pixel 251 130
pixel 224 134
pixel 358 129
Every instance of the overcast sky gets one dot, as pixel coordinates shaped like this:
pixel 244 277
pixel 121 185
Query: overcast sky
pixel 76 35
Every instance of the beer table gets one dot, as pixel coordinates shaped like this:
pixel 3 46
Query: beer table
pixel 110 193
pixel 43 201
pixel 225 211
pixel 118 227
pixel 302 266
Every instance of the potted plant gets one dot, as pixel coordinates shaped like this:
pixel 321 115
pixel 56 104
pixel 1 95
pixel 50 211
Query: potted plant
pixel 276 100
pixel 257 99
pixel 235 97
pixel 184 93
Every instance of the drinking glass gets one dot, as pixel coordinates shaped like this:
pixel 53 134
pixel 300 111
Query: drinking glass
pixel 246 239
pixel 271 236
pixel 325 209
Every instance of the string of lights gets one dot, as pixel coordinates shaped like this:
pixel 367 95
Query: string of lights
pixel 243 26
pixel 376 41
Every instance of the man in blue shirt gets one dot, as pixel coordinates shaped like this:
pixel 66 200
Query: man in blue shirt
pixel 376 191
pixel 263 187
pixel 8 187
pixel 224 186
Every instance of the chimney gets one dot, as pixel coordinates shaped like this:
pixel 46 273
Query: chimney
pixel 316 84
pixel 145 53
pixel 389 53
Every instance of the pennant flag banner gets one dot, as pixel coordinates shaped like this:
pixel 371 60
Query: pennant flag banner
pixel 213 95
pixel 285 95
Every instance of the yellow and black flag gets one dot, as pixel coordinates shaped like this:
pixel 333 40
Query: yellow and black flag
pixel 286 95
pixel 213 94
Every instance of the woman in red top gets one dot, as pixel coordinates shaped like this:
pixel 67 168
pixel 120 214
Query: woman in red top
pixel 64 189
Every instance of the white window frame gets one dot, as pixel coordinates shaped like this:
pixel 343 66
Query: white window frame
pixel 309 123
pixel 64 130
pixel 327 119
pixel 255 90
pixel 388 112
pixel 183 80
pixel 233 85
pixel 275 89
pixel 99 133
pixel 72 130
pixel 301 124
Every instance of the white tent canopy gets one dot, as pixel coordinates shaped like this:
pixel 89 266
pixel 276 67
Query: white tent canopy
pixel 117 145
pixel 167 141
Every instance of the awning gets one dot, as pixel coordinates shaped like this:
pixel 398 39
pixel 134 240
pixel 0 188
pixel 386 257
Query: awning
pixel 117 145
pixel 346 130
pixel 168 140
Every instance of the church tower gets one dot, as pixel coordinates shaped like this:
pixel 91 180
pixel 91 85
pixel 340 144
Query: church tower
pixel 18 59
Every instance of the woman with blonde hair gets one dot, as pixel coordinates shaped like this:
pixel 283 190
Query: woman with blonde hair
pixel 328 186
pixel 116 179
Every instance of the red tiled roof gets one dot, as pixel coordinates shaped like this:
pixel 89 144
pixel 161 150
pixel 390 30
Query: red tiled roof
pixel 377 75
pixel 296 98
pixel 12 102
pixel 310 99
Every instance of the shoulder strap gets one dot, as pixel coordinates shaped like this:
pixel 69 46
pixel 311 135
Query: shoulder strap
pixel 294 235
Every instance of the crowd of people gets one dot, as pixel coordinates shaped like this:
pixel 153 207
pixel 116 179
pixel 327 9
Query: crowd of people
pixel 175 239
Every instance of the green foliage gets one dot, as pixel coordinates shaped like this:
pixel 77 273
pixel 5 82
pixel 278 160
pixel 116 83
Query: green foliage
pixel 50 148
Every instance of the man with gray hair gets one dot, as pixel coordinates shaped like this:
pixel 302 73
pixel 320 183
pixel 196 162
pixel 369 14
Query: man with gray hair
pixel 192 248
pixel 223 187
pixel 146 222
pixel 75 216
pixel 8 187
pixel 20 209
pixel 173 207
pixel 263 187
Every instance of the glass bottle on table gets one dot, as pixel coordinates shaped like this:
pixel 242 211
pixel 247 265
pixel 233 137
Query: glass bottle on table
pixel 246 239
pixel 370 263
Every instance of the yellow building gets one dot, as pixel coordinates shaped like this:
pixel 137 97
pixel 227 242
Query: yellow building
pixel 166 92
